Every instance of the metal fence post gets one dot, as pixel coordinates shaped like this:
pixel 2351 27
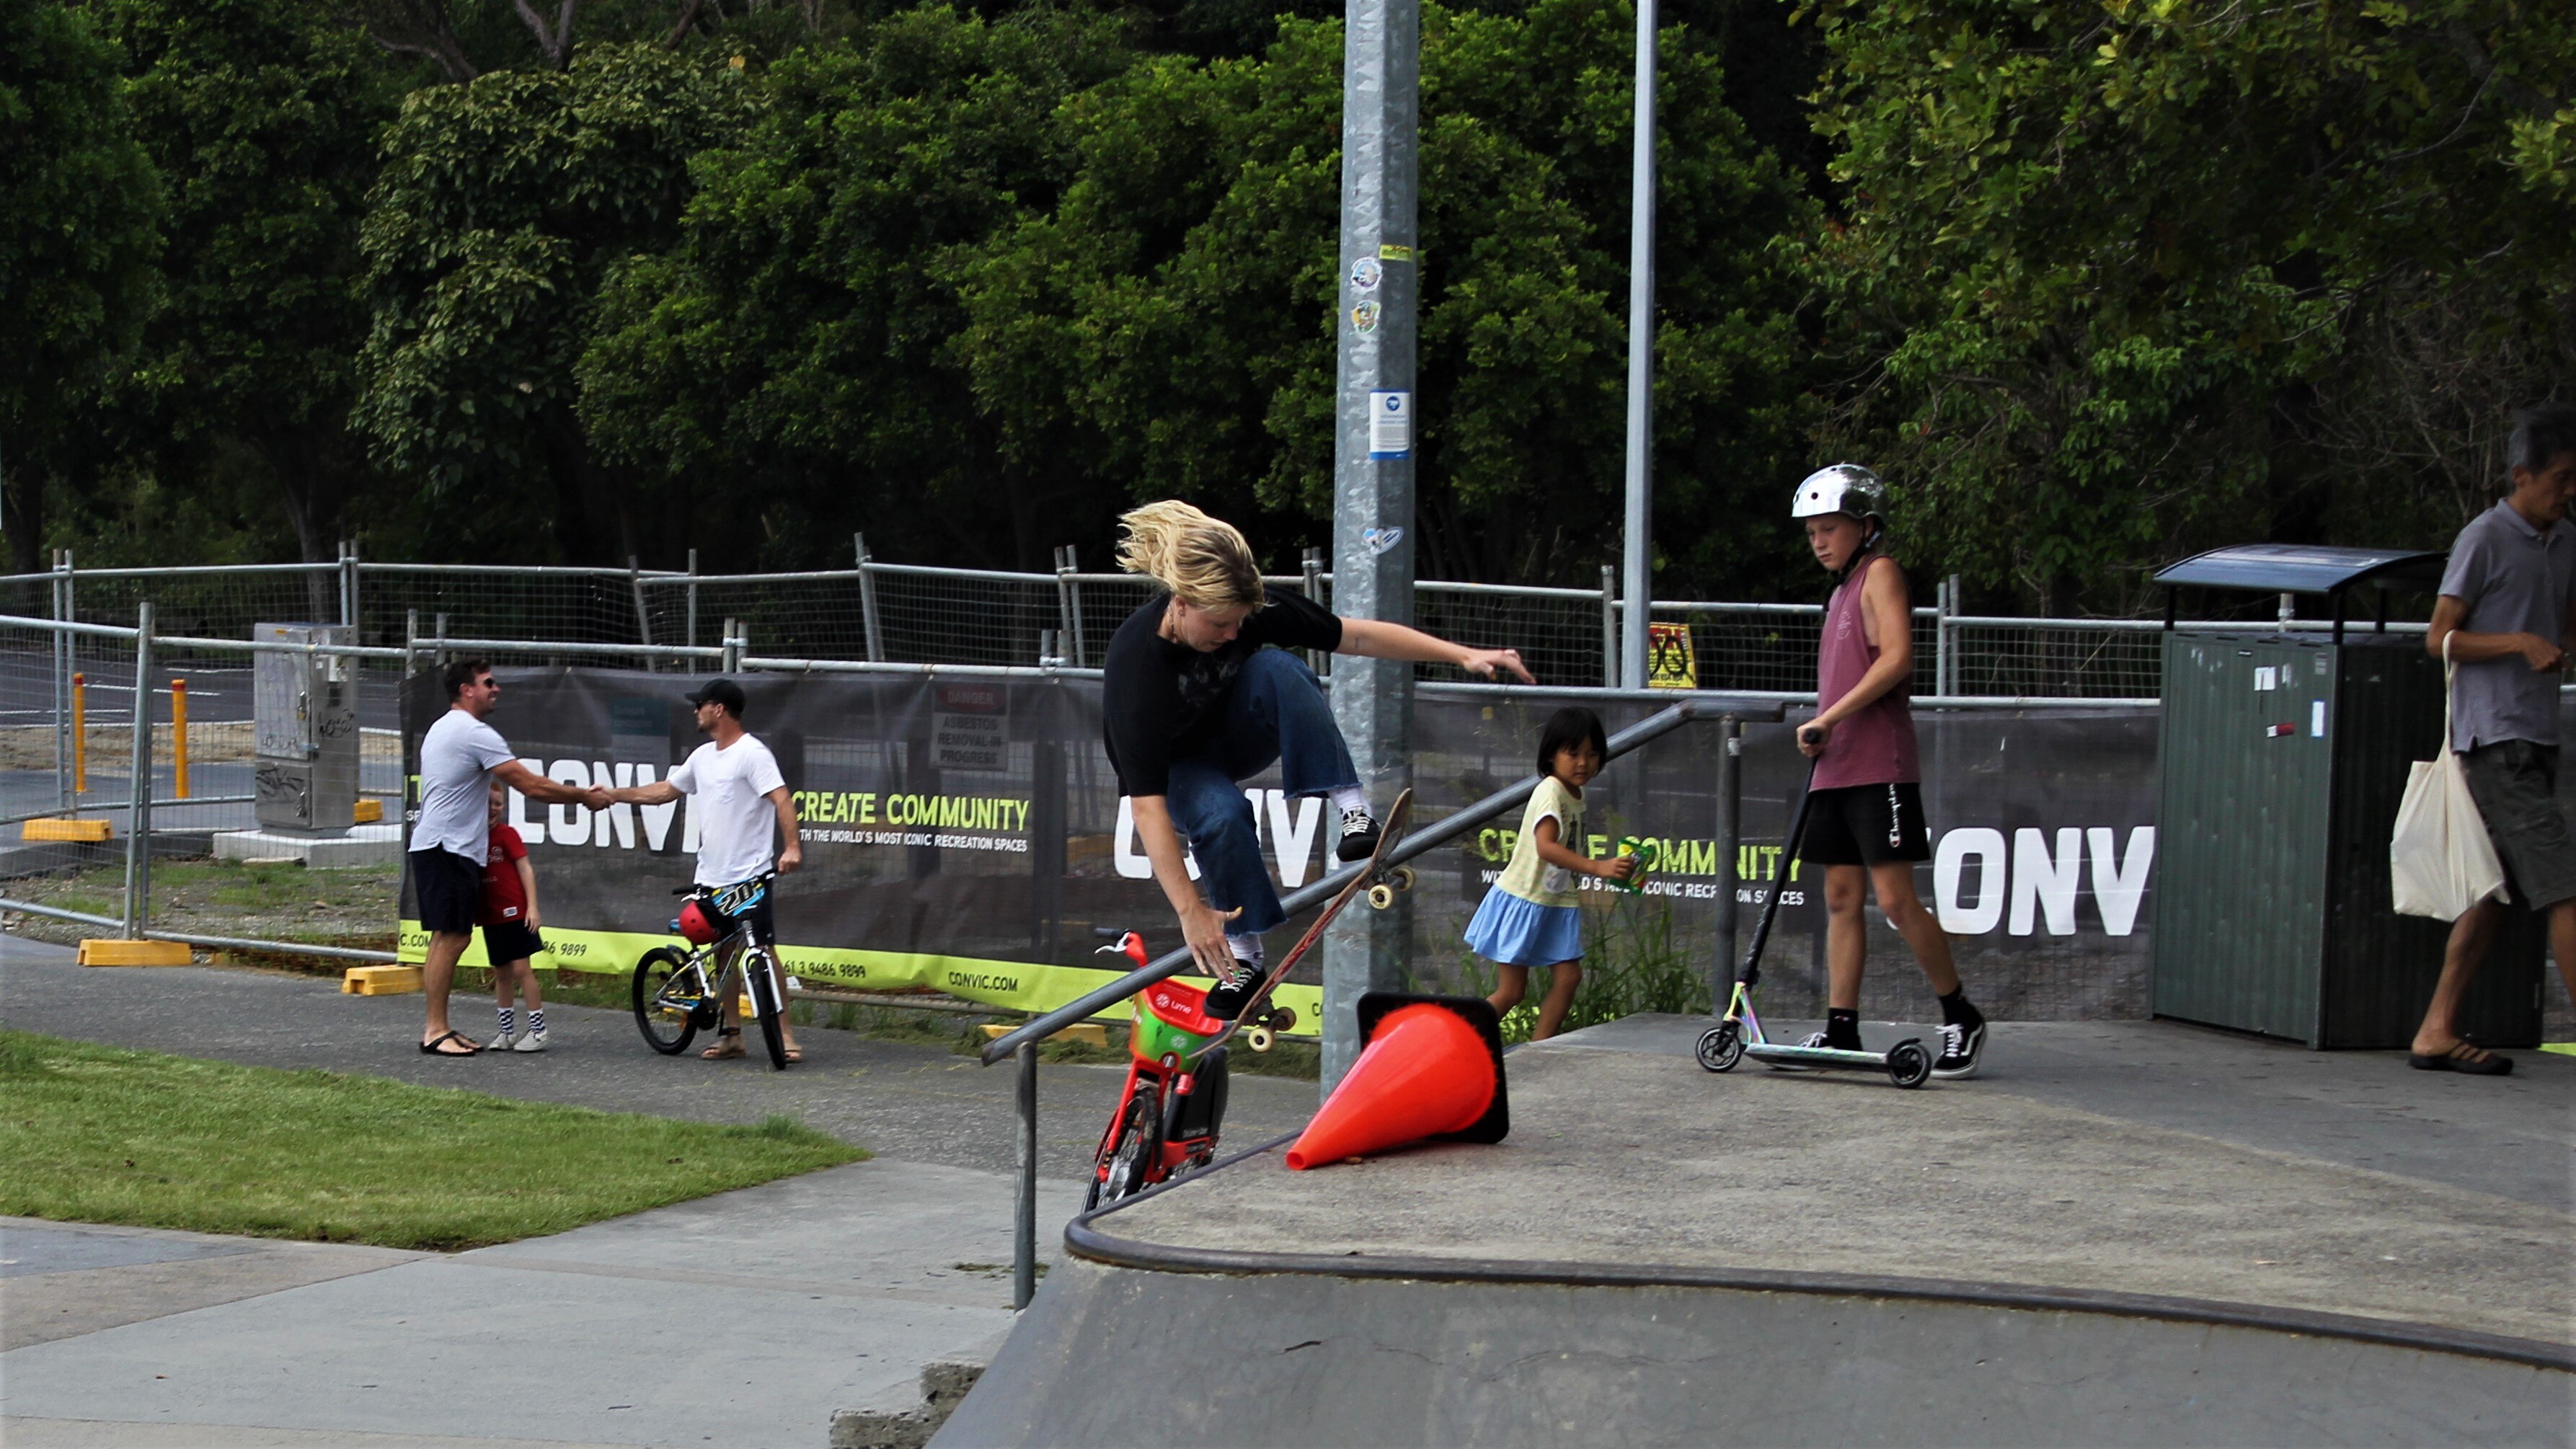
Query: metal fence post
pixel 1730 826
pixel 643 617
pixel 1024 1220
pixel 64 666
pixel 1310 574
pixel 730 660
pixel 411 642
pixel 1609 627
pixel 138 810
pixel 1958 605
pixel 1068 606
pixel 1941 610
pixel 349 583
pixel 438 626
pixel 692 640
pixel 868 602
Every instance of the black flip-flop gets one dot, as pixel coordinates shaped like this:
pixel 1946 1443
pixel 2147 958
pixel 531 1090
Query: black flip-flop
pixel 430 1048
pixel 2467 1060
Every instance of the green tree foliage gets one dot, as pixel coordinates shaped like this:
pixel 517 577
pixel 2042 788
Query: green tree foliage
pixel 265 117
pixel 2124 278
pixel 79 210
pixel 999 279
pixel 501 206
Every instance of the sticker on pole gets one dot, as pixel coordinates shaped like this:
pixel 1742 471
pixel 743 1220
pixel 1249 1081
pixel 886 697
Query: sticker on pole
pixel 1670 663
pixel 1390 425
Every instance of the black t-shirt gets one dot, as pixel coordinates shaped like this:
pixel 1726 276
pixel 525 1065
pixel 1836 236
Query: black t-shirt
pixel 1162 701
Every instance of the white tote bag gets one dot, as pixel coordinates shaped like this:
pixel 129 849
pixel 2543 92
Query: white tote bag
pixel 2440 861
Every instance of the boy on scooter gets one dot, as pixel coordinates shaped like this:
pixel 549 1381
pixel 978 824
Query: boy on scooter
pixel 1865 820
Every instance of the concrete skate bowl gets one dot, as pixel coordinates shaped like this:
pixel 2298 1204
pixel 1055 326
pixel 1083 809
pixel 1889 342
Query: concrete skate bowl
pixel 1143 1342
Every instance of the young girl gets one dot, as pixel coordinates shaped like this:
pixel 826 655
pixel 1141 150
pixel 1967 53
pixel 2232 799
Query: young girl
pixel 509 921
pixel 1865 817
pixel 1530 918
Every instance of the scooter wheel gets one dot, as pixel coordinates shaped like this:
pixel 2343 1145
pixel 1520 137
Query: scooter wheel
pixel 1381 897
pixel 1258 1038
pixel 1909 1065
pixel 1721 1047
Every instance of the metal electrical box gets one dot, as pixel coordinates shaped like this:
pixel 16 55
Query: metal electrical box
pixel 2283 756
pixel 304 725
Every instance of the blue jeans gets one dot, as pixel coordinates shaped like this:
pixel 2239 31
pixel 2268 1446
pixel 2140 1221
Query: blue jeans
pixel 1276 711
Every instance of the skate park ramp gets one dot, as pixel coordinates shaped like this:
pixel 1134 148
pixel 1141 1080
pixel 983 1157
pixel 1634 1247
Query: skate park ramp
pixel 2123 1233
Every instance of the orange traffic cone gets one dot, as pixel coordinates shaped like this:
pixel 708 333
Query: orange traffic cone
pixel 1433 1068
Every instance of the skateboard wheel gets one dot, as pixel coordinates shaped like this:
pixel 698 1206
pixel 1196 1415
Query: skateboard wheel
pixel 1380 897
pixel 1401 877
pixel 1281 1018
pixel 1258 1038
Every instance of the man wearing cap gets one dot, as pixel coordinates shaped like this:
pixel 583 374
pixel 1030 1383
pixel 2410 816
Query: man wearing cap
pixel 739 797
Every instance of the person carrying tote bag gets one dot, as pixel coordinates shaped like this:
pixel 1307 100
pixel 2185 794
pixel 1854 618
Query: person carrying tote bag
pixel 2440 861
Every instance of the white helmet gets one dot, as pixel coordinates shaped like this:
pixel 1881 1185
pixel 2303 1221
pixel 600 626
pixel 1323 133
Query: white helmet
pixel 1842 488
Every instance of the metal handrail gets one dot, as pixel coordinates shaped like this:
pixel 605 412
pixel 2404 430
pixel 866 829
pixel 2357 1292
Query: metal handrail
pixel 1415 843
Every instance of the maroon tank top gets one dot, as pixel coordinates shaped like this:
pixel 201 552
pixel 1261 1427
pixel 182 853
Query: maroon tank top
pixel 1876 745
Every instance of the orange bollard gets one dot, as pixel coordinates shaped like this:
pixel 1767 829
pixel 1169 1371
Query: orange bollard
pixel 80 734
pixel 179 737
pixel 1433 1068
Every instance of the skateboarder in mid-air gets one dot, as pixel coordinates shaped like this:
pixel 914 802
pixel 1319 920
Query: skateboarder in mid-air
pixel 1192 703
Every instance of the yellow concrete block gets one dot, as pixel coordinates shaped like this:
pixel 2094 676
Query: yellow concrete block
pixel 88 832
pixel 380 980
pixel 133 953
pixel 1089 1033
pixel 369 812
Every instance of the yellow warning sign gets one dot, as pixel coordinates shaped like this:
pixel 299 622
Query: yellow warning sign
pixel 1670 664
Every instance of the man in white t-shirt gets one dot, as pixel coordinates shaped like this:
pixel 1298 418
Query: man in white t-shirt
pixel 738 798
pixel 460 757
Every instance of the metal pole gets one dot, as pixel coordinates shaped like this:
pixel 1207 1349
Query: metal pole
pixel 1641 359
pixel 64 665
pixel 868 602
pixel 643 618
pixel 1024 1218
pixel 1609 627
pixel 1310 571
pixel 179 739
pixel 1941 611
pixel 1958 604
pixel 411 642
pixel 349 582
pixel 692 640
pixel 138 810
pixel 1373 462
pixel 1730 828
pixel 1068 608
pixel 731 660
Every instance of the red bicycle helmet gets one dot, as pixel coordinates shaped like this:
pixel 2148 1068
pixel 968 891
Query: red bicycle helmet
pixel 694 925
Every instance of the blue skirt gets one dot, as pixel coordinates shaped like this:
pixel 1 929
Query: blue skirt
pixel 1515 932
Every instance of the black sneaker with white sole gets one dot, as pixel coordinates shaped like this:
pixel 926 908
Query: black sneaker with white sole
pixel 1961 1046
pixel 1233 992
pixel 1359 836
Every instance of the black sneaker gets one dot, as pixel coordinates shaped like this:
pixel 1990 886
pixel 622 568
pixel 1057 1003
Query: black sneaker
pixel 1960 1048
pixel 1233 991
pixel 1359 836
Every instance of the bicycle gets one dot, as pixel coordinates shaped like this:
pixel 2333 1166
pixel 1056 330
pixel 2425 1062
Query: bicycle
pixel 1174 1098
pixel 675 994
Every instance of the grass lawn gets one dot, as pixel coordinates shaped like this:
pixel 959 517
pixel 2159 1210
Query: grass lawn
pixel 100 1135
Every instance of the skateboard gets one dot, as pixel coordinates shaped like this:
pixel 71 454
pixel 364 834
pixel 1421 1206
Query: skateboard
pixel 1260 1019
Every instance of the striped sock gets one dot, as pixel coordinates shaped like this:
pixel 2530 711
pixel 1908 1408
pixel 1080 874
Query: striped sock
pixel 536 1021
pixel 506 1017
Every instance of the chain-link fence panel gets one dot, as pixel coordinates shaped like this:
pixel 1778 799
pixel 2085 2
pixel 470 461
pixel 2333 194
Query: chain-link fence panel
pixel 577 606
pixel 2114 659
pixel 963 616
pixel 794 616
pixel 1559 632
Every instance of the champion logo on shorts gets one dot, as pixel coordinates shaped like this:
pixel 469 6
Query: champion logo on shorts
pixel 1895 819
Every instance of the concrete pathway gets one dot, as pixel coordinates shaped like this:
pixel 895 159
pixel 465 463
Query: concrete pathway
pixel 747 1318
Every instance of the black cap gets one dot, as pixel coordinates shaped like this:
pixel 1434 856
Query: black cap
pixel 720 691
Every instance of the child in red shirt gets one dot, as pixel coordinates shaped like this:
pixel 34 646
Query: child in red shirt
pixel 509 921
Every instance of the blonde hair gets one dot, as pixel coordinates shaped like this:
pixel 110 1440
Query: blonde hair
pixel 1204 561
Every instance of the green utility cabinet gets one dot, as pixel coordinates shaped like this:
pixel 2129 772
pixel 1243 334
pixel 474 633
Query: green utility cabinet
pixel 2283 756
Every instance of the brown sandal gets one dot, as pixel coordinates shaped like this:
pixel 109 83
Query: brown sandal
pixel 728 1046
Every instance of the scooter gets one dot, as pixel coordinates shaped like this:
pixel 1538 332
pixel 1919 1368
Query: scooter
pixel 1739 1034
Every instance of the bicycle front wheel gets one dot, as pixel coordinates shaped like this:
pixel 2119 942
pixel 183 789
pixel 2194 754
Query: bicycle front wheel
pixel 765 1005
pixel 666 1000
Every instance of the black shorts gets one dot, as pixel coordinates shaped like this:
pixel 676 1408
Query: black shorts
pixel 449 889
pixel 1866 825
pixel 755 918
pixel 510 941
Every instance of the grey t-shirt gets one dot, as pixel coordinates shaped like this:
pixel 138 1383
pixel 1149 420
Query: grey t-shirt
pixel 456 760
pixel 2515 580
